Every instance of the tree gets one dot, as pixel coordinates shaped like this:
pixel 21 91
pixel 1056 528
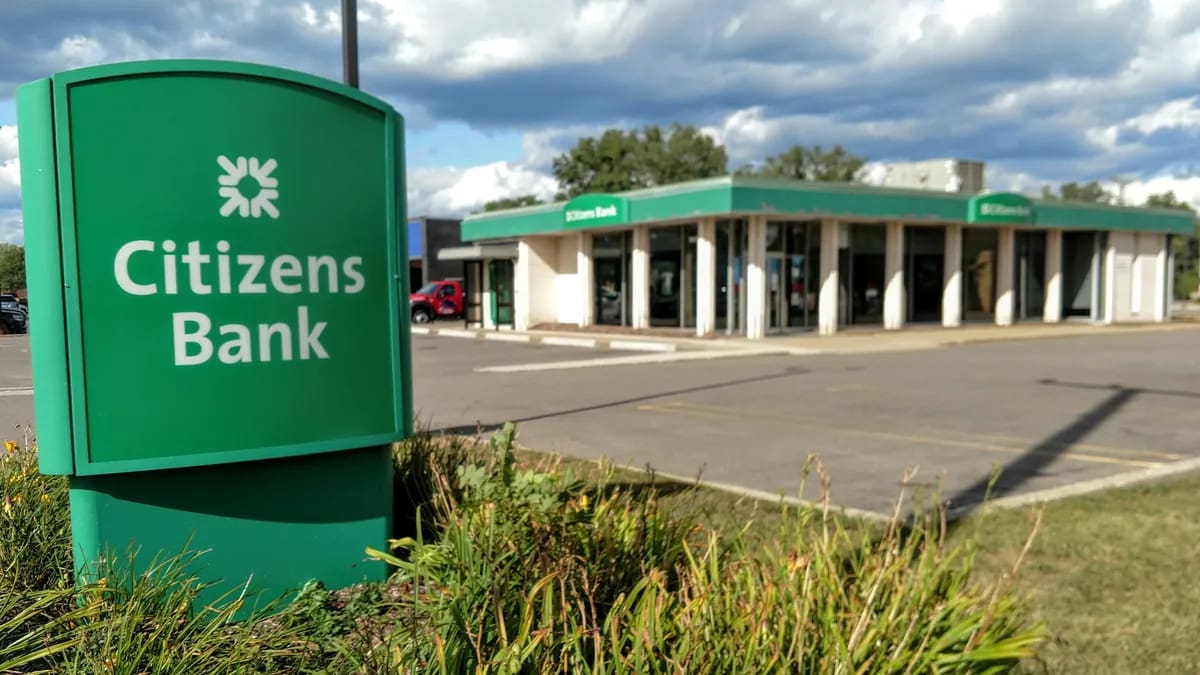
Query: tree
pixel 800 163
pixel 511 203
pixel 1186 249
pixel 1092 193
pixel 12 268
pixel 620 160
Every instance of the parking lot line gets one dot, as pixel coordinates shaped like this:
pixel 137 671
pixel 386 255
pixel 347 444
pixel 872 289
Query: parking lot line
pixel 699 410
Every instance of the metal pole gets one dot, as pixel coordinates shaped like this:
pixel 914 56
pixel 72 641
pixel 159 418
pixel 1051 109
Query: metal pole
pixel 350 42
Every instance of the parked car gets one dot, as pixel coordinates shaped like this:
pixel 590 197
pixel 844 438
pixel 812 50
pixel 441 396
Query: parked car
pixel 437 300
pixel 13 321
pixel 10 301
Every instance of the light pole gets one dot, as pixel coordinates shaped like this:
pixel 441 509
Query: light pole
pixel 350 42
pixel 1121 182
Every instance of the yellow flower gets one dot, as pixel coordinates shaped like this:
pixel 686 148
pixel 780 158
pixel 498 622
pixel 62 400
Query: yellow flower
pixel 583 501
pixel 10 446
pixel 45 498
pixel 17 498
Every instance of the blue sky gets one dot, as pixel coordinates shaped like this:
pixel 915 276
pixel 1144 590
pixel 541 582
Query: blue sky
pixel 491 91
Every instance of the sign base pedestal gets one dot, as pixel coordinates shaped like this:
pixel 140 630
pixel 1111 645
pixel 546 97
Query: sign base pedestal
pixel 275 523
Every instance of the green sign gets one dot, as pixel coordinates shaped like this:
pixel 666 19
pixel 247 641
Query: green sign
pixel 220 359
pixel 1000 207
pixel 222 242
pixel 595 211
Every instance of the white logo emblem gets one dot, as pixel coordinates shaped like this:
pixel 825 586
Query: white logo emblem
pixel 235 173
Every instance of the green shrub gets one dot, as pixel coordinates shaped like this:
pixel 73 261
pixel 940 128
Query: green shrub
pixel 533 574
pixel 1186 282
pixel 35 524
pixel 148 622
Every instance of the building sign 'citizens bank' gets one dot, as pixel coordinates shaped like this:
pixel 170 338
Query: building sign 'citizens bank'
pixel 213 255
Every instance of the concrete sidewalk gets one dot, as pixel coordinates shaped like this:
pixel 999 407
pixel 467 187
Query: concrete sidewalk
pixel 855 341
pixel 849 341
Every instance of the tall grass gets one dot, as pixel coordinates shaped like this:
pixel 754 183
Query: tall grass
pixel 533 573
pixel 503 566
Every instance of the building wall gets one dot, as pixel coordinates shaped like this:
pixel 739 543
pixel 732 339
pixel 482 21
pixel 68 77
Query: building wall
pixel 535 280
pixel 567 289
pixel 441 233
pixel 943 175
pixel 1123 248
pixel 1148 247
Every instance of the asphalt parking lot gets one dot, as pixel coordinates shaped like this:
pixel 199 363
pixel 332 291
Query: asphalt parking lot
pixel 1048 413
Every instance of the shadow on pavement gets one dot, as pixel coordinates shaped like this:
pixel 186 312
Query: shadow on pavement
pixel 1031 464
pixel 490 427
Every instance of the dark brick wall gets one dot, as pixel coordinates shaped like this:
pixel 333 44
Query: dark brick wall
pixel 441 233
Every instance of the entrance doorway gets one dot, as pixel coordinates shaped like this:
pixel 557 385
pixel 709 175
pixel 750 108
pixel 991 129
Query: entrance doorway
pixel 1081 274
pixel 861 253
pixel 500 276
pixel 980 249
pixel 777 305
pixel 924 272
pixel 673 276
pixel 611 254
pixel 1029 271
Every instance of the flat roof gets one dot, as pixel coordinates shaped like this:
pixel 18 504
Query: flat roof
pixel 736 196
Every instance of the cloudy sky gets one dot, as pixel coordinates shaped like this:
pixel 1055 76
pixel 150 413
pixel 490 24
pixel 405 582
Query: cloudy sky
pixel 491 90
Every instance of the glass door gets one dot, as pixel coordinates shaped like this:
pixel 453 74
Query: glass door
pixel 610 272
pixel 777 295
pixel 1029 271
pixel 500 273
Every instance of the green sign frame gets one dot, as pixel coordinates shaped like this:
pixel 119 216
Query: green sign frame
pixel 1000 207
pixel 196 412
pixel 596 210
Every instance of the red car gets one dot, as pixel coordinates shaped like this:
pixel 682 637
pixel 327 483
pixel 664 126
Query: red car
pixel 436 300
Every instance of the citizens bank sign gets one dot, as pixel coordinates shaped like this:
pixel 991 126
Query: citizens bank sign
pixel 596 210
pixel 214 255
pixel 1000 207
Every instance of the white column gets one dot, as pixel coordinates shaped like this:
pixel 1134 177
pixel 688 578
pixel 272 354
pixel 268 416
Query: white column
pixel 893 274
pixel 1052 304
pixel 488 293
pixel 1161 298
pixel 585 280
pixel 1004 276
pixel 952 277
pixel 522 282
pixel 756 279
pixel 1109 261
pixel 706 277
pixel 639 278
pixel 1168 246
pixel 827 306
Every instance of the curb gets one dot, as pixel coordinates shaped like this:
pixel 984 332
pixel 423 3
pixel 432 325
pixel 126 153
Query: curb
pixel 615 344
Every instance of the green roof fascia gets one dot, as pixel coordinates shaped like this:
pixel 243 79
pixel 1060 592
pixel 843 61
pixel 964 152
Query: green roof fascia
pixel 848 201
pixel 1081 216
pixel 845 200
pixel 513 222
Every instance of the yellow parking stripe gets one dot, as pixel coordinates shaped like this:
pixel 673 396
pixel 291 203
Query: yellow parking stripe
pixel 703 411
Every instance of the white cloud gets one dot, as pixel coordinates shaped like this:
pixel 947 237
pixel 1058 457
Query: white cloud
pixel 468 38
pixel 450 191
pixel 11 229
pixel 10 165
pixel 1186 188
pixel 1172 115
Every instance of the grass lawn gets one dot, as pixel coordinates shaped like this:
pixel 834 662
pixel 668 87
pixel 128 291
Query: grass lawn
pixel 1113 576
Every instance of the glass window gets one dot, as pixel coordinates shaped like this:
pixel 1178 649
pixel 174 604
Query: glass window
pixel 980 252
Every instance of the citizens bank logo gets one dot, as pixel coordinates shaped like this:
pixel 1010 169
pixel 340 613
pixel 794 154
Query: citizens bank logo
pixel 248 187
